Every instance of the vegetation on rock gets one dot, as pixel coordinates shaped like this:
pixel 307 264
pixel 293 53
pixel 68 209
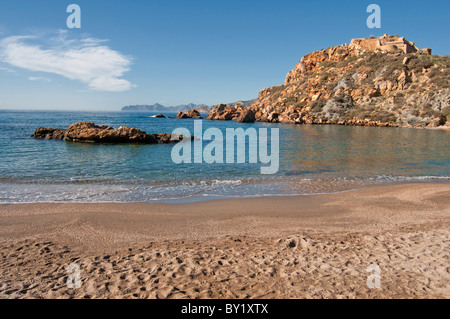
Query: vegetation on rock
pixel 351 85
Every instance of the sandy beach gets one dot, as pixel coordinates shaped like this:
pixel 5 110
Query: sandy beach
pixel 284 247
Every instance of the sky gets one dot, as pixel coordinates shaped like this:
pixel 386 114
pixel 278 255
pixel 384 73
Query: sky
pixel 178 52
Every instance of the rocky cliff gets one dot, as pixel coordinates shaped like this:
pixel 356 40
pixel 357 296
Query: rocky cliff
pixel 191 114
pixel 384 81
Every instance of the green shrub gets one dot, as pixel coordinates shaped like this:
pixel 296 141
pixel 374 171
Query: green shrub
pixel 446 111
pixel 443 61
pixel 384 116
pixel 331 85
pixel 427 111
pixel 439 79
pixel 324 77
pixel 399 100
pixel 317 106
pixel 328 64
pixel 418 64
pixel 291 100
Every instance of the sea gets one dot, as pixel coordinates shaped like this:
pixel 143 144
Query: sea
pixel 313 159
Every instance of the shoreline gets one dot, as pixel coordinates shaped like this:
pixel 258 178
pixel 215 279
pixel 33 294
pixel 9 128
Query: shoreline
pixel 192 199
pixel 381 124
pixel 284 247
pixel 347 203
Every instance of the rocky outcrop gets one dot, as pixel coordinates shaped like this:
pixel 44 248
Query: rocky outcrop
pixel 85 132
pixel 246 115
pixel 191 114
pixel 49 134
pixel 91 133
pixel 358 84
pixel 223 113
pixel 160 116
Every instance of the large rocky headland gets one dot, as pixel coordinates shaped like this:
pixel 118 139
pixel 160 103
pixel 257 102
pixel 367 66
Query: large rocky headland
pixel 385 81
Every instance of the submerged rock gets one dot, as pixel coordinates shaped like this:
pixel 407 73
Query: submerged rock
pixel 49 133
pixel 85 132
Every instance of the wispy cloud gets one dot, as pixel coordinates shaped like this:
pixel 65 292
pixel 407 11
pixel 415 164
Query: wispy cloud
pixel 7 70
pixel 39 78
pixel 84 59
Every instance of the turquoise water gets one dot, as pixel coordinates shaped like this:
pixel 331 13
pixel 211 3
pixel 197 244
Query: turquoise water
pixel 313 159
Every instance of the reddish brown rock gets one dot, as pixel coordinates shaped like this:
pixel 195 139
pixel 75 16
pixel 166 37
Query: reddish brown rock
pixel 85 132
pixel 382 81
pixel 191 114
pixel 246 116
pixel 223 113
pixel 379 88
pixel 91 133
pixel 49 133
pixel 228 113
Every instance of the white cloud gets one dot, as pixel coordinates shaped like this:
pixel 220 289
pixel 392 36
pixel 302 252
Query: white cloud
pixel 39 78
pixel 87 60
pixel 7 70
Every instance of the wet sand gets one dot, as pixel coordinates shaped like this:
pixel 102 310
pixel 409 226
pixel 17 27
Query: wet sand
pixel 283 247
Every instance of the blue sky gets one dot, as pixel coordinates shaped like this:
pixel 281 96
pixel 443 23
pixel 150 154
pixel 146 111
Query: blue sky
pixel 177 52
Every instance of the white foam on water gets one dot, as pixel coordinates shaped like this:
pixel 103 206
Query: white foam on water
pixel 192 190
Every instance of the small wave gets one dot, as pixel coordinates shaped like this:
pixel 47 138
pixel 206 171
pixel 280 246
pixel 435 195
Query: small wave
pixel 214 182
pixel 194 190
pixel 407 178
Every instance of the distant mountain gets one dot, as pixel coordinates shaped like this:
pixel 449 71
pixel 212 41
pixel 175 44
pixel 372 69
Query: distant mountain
pixel 202 108
pixel 161 108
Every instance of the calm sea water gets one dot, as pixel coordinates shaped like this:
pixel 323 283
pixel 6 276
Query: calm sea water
pixel 313 159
